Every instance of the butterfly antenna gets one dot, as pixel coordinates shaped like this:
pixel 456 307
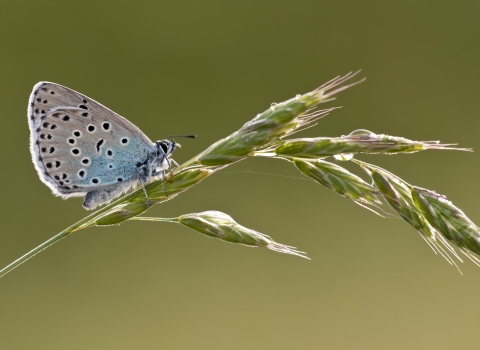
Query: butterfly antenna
pixel 186 136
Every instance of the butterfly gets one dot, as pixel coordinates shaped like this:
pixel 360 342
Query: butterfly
pixel 81 148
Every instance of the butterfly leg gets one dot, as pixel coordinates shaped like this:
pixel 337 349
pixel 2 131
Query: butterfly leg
pixel 162 177
pixel 163 183
pixel 174 162
pixel 169 165
pixel 143 177
pixel 145 191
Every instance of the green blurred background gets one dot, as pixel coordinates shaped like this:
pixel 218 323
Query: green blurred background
pixel 207 67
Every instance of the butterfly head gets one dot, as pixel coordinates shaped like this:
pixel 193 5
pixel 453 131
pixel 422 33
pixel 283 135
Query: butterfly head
pixel 165 148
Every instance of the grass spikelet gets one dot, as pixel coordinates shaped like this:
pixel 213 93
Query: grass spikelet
pixel 360 141
pixel 398 194
pixel 339 180
pixel 448 219
pixel 221 226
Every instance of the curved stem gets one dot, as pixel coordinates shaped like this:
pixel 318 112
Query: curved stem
pixel 33 252
pixel 84 223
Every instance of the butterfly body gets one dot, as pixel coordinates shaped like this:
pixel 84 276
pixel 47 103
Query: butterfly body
pixel 81 148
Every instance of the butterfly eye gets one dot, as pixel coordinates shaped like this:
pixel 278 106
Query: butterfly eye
pixel 163 146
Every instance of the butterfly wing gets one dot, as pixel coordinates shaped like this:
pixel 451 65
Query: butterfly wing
pixel 77 144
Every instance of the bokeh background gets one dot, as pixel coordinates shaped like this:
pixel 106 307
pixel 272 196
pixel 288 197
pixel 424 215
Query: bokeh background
pixel 207 67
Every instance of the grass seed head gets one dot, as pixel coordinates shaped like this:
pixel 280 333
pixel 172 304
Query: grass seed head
pixel 360 141
pixel 220 225
pixel 446 218
pixel 338 179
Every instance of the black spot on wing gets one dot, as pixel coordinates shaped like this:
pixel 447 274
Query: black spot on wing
pixel 99 144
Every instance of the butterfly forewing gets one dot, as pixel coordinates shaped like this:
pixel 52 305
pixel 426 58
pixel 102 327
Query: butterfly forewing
pixel 77 143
